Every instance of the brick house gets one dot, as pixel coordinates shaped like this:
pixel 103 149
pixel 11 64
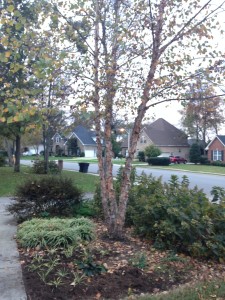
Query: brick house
pixel 216 149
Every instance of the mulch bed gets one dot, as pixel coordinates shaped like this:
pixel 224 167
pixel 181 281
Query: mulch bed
pixel 132 267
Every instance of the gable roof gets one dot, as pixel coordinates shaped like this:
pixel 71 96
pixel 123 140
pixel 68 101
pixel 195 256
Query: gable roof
pixel 221 138
pixel 162 133
pixel 85 135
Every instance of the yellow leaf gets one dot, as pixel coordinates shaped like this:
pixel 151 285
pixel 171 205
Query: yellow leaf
pixel 7 54
pixel 6 109
pixel 16 119
pixel 32 113
pixel 2 120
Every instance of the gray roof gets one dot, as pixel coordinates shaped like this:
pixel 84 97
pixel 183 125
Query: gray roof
pixel 162 133
pixel 85 135
pixel 222 138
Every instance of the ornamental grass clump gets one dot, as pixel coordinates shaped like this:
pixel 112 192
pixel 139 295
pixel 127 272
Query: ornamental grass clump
pixel 46 196
pixel 55 232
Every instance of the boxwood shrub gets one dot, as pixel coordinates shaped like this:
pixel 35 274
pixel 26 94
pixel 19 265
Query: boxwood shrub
pixel 158 161
pixel 218 163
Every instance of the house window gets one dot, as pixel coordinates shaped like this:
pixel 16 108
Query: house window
pixel 143 139
pixel 57 139
pixel 217 155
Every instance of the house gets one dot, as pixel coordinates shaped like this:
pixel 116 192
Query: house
pixel 86 141
pixel 215 149
pixel 169 139
pixel 57 146
pixel 80 140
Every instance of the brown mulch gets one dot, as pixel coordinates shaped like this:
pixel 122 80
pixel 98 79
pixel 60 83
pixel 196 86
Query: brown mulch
pixel 131 267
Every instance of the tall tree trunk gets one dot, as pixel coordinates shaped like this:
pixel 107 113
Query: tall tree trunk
pixel 47 146
pixel 9 151
pixel 17 154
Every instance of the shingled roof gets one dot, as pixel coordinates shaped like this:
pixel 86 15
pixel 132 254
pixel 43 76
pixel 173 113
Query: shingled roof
pixel 85 136
pixel 162 133
pixel 220 137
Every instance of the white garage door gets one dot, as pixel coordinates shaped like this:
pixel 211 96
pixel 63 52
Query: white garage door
pixel 90 153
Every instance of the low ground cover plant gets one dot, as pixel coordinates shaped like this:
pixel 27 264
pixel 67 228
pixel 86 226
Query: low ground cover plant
pixel 55 232
pixel 45 197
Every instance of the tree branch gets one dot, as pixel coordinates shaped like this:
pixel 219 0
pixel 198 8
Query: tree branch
pixel 184 99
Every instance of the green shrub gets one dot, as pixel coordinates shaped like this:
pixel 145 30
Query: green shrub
pixel 51 195
pixel 152 151
pixel 195 153
pixel 88 266
pixel 218 194
pixel 139 260
pixel 3 153
pixel 39 167
pixel 204 160
pixel 55 232
pixel 85 208
pixel 158 161
pixel 141 155
pixel 218 163
pixel 2 161
pixel 178 218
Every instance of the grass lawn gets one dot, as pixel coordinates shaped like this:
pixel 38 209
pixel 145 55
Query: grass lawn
pixel 205 290
pixel 193 168
pixel 10 179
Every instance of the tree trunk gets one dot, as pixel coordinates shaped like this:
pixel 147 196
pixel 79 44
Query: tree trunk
pixel 9 152
pixel 46 148
pixel 17 154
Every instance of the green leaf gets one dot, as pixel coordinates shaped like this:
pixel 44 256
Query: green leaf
pixel 10 8
pixel 18 26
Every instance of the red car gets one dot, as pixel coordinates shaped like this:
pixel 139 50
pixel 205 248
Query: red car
pixel 177 160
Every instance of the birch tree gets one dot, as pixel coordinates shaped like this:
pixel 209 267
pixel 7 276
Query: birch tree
pixel 139 54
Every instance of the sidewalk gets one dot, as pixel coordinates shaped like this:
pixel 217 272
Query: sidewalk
pixel 11 282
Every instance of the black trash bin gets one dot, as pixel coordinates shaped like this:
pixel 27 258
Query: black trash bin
pixel 83 167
